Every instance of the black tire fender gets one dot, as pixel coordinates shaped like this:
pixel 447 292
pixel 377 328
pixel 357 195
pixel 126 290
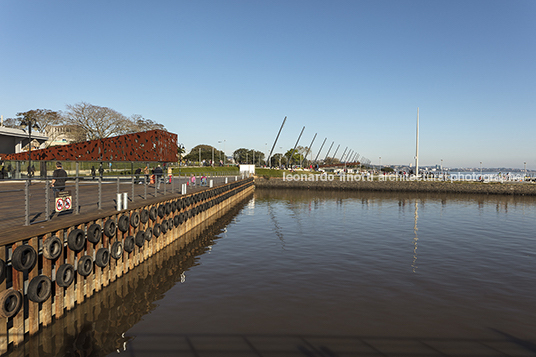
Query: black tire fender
pixel 123 222
pixel 52 248
pixel 161 211
pixel 117 250
pixel 140 238
pixel 85 265
pixel 148 234
pixel 176 221
pixel 153 213
pixel 135 219
pixel 110 228
pixel 94 233
pixel 76 240
pixel 39 288
pixel 10 302
pixel 164 226
pixel 65 275
pixel 156 230
pixel 144 216
pixel 24 258
pixel 2 270
pixel 102 257
pixel 129 244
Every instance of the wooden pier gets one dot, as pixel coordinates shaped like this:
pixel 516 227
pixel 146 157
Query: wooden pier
pixel 50 267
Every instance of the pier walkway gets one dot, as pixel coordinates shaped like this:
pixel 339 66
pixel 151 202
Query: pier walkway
pixel 12 201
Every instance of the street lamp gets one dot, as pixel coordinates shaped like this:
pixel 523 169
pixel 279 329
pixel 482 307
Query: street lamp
pixel 480 169
pixel 525 164
pixel 379 173
pixel 30 123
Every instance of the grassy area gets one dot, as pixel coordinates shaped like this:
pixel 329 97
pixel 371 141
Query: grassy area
pixel 218 170
pixel 268 173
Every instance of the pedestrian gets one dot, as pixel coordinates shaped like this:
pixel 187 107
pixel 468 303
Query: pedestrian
pixel 170 173
pixel 2 173
pixel 158 175
pixel 58 178
pixel 203 180
pixel 101 170
pixel 137 173
pixel 192 179
pixel 146 173
pixel 93 172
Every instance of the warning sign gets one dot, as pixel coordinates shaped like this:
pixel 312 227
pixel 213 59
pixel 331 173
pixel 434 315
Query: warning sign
pixel 63 201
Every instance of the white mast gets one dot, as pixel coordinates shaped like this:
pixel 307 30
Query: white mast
pixel 417 148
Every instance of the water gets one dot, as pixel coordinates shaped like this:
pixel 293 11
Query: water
pixel 338 265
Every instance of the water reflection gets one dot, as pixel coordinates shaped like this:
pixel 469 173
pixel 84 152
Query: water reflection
pixel 415 238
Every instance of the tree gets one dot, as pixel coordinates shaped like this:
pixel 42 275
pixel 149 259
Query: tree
pixel 206 153
pixel 44 119
pixel 139 123
pixel 246 156
pixel 97 122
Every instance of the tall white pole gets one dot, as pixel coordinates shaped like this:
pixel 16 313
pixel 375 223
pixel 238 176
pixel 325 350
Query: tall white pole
pixel 417 148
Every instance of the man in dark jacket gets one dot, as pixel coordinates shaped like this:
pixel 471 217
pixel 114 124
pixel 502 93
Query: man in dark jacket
pixel 59 176
pixel 158 172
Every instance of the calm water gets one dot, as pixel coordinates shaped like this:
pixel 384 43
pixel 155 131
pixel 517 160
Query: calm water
pixel 288 263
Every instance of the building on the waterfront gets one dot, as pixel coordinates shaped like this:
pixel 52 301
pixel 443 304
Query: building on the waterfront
pixel 14 140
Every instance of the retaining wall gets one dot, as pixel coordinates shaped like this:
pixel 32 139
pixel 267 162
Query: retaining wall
pixel 524 189
pixel 22 312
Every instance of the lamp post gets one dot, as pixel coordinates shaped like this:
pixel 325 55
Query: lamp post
pixel 525 177
pixel 481 169
pixel 380 171
pixel 30 123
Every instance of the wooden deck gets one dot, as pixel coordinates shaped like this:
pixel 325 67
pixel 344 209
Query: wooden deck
pixel 12 203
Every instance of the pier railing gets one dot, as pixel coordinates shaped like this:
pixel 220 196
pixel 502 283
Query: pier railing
pixel 28 201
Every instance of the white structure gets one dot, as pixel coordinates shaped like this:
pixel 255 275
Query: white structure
pixel 12 141
pixel 247 170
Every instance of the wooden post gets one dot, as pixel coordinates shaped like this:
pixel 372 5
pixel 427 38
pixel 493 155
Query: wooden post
pixel 33 307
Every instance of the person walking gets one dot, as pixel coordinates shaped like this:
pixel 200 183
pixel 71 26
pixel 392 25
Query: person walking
pixel 58 178
pixel 93 172
pixel 170 173
pixel 146 173
pixel 158 172
pixel 192 179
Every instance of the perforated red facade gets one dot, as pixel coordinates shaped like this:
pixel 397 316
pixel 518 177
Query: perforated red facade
pixel 154 145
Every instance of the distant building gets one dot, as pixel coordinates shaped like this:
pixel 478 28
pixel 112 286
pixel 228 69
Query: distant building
pixel 14 141
pixel 62 134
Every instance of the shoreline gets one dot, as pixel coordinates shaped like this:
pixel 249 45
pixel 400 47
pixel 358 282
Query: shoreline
pixel 517 189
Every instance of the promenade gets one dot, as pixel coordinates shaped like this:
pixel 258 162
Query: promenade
pixel 12 201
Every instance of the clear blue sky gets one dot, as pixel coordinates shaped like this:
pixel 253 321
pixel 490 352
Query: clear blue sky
pixel 352 71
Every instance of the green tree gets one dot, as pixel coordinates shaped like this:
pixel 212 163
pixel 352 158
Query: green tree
pixel 247 156
pixel 205 151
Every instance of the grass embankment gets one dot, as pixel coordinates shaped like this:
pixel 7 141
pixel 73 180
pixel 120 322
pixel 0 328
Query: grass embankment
pixel 207 170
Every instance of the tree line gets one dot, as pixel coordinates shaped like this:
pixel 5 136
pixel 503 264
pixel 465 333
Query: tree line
pixel 85 122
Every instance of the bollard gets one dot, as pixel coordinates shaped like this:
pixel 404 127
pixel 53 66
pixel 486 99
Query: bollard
pixel 118 202
pixel 226 180
pixel 211 184
pixel 125 200
pixel 183 191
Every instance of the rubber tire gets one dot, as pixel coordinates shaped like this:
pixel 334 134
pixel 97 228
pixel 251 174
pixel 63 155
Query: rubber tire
pixel 110 228
pixel 85 265
pixel 76 240
pixel 168 208
pixel 102 258
pixel 52 248
pixel 148 234
pixel 161 211
pixel 24 258
pixel 170 223
pixel 10 303
pixel 39 288
pixel 144 216
pixel 140 238
pixel 94 233
pixel 164 226
pixel 65 275
pixel 122 223
pixel 153 213
pixel 117 250
pixel 174 206
pixel 135 219
pixel 176 221
pixel 156 230
pixel 129 244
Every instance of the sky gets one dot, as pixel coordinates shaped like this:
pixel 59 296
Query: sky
pixel 226 73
